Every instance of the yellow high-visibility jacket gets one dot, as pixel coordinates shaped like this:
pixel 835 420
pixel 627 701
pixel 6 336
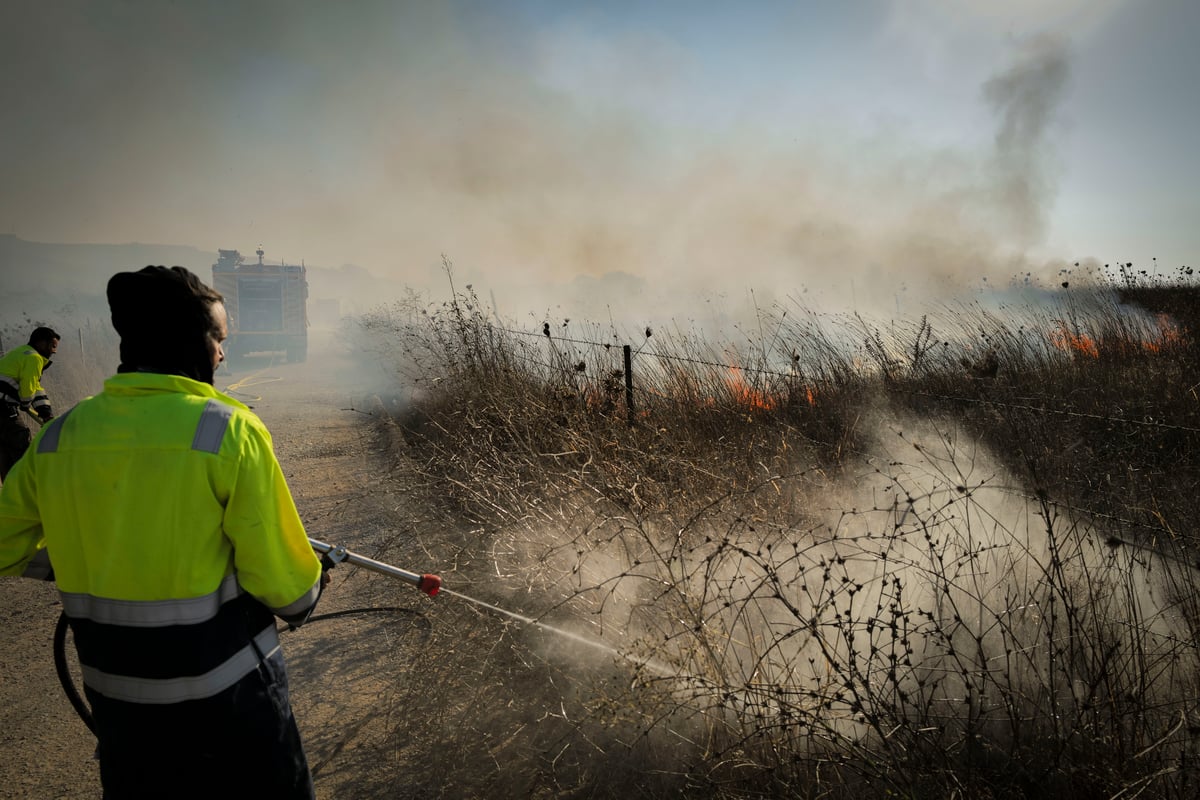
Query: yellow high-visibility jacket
pixel 21 379
pixel 171 532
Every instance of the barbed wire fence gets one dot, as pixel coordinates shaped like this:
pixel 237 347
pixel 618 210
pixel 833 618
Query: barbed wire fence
pixel 629 353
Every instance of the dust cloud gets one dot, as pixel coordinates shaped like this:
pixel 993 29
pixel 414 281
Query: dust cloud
pixel 928 570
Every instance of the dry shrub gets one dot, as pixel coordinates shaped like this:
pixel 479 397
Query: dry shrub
pixel 826 563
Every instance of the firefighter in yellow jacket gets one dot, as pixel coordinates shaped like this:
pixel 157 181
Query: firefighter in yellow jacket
pixel 161 511
pixel 21 391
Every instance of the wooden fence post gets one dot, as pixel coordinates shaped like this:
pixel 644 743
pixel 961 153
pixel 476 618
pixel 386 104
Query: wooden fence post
pixel 629 382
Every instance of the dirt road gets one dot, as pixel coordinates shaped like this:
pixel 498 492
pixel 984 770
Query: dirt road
pixel 344 670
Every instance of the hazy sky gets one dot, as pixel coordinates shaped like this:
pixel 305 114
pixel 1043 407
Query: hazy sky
pixel 769 144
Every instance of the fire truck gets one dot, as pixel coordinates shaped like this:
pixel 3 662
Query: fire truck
pixel 266 304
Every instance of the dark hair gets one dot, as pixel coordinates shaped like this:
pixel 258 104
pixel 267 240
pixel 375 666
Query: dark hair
pixel 43 334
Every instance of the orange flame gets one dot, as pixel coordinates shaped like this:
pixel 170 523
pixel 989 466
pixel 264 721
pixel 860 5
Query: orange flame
pixel 1077 343
pixel 747 395
pixel 1170 335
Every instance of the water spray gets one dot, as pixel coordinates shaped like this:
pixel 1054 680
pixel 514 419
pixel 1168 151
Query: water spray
pixel 432 585
pixel 649 664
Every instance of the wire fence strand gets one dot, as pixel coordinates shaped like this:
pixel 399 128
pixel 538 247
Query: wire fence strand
pixel 1153 423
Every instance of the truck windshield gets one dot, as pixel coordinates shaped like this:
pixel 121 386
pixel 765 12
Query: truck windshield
pixel 260 304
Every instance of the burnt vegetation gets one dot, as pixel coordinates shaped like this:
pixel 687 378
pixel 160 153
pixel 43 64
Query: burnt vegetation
pixel 953 556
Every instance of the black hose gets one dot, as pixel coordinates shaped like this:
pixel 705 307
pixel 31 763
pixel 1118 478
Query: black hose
pixel 64 674
pixel 373 610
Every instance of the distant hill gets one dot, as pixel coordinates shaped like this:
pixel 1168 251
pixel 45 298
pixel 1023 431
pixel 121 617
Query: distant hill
pixel 86 268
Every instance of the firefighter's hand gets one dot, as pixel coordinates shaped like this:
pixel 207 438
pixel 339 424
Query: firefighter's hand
pixel 44 414
pixel 327 564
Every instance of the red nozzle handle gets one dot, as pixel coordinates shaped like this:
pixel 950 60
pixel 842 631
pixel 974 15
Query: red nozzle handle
pixel 430 584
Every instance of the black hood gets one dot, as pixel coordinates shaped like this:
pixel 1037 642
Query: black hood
pixel 164 325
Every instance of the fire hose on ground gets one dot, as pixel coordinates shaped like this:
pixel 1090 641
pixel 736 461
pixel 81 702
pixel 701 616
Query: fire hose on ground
pixel 331 555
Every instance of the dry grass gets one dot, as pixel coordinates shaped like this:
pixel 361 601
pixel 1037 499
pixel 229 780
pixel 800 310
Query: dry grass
pixel 949 557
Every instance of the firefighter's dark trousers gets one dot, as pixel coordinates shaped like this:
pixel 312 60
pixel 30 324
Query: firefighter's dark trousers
pixel 14 437
pixel 241 743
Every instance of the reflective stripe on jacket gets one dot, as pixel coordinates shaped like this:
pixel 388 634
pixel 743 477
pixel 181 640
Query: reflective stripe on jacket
pixel 21 377
pixel 172 534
